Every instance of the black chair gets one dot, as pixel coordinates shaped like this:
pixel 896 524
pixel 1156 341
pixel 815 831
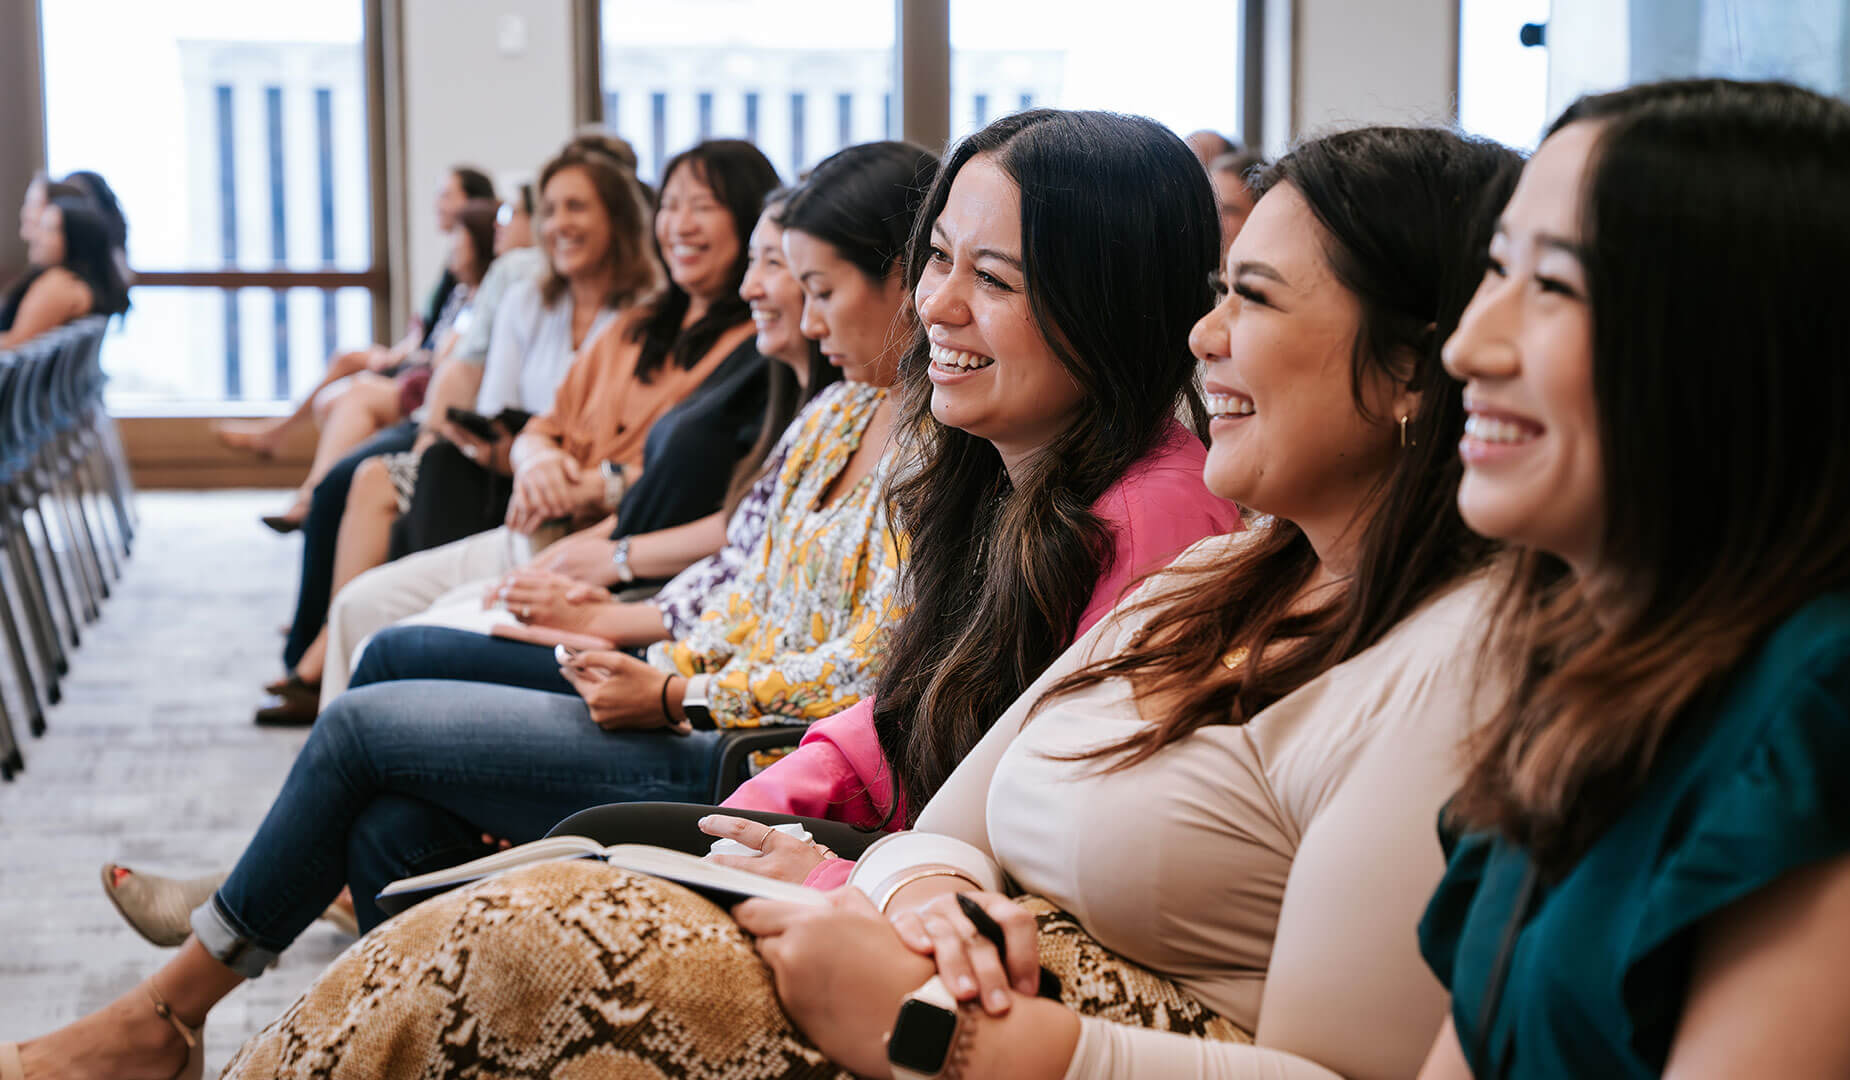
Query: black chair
pixel 737 745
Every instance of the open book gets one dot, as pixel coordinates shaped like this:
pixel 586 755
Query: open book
pixel 723 885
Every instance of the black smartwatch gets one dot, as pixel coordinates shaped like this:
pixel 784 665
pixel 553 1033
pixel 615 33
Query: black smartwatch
pixel 924 1033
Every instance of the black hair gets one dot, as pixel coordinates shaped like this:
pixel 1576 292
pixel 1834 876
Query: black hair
pixel 786 395
pixel 89 254
pixel 475 183
pixel 1119 240
pixel 861 201
pixel 476 220
pixel 740 176
pixel 104 197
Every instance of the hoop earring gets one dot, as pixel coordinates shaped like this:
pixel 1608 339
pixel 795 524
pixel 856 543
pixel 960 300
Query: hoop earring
pixel 1404 442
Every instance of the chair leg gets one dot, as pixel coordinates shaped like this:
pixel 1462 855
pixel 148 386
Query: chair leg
pixel 77 527
pixel 93 479
pixel 57 584
pixel 45 639
pixel 121 481
pixel 21 666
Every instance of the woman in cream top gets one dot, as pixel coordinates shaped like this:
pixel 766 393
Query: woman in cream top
pixel 1275 870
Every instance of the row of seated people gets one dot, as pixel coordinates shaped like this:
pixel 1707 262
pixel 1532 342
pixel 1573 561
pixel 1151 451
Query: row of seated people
pixel 76 257
pixel 1485 748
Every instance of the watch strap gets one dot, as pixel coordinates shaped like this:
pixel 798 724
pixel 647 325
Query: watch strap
pixel 933 992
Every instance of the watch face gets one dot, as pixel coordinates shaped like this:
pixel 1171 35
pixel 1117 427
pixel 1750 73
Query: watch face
pixel 921 1038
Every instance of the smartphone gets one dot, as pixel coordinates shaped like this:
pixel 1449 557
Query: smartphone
pixel 474 423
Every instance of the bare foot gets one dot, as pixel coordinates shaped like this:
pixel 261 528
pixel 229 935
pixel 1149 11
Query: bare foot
pixel 124 1040
pixel 261 437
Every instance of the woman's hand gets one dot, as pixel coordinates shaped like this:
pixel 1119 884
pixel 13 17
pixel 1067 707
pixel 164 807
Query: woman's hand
pixel 583 556
pixel 967 962
pixel 782 857
pixel 841 973
pixel 544 487
pixel 623 693
pixel 538 598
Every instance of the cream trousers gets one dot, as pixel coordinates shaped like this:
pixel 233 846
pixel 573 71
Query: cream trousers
pixel 454 574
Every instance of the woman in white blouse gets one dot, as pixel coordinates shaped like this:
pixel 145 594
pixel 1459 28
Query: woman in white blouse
pixel 1225 792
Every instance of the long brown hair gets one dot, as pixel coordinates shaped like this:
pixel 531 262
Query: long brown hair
pixel 631 257
pixel 1405 219
pixel 1714 228
pixel 1118 238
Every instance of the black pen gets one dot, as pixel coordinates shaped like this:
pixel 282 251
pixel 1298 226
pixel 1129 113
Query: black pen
pixel 992 932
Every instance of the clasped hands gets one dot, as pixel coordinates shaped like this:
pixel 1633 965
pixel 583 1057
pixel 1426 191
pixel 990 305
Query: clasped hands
pixel 548 486
pixel 843 968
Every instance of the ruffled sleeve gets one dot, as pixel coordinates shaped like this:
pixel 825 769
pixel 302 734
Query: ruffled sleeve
pixel 1780 806
pixel 1442 926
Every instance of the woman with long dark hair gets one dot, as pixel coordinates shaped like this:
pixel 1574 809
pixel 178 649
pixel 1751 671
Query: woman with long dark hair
pixel 1237 841
pixel 1650 855
pixel 73 272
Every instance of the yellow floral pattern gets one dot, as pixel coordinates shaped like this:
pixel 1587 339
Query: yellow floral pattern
pixel 797 635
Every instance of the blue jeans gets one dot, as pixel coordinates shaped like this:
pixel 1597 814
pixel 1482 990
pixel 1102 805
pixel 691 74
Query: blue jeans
pixel 439 652
pixel 321 529
pixel 404 777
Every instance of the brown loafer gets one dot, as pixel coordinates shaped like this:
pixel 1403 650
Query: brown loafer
pixel 295 705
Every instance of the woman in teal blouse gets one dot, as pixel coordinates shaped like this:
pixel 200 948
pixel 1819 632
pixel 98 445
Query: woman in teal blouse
pixel 1650 856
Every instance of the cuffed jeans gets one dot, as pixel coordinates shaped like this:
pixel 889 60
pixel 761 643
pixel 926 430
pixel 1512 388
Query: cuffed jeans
pixel 403 778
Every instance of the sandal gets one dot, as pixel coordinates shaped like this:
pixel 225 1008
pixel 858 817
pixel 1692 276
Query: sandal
pixel 160 908
pixel 12 1068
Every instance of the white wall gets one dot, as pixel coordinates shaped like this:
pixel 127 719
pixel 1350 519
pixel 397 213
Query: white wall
pixel 470 100
pixel 1374 61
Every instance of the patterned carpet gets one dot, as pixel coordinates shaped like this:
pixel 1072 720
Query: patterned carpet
pixel 152 760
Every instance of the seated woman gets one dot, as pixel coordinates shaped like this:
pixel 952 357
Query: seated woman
pixel 573 465
pixel 72 271
pixel 115 224
pixel 462 497
pixel 1221 796
pixel 265 437
pixel 357 407
pixel 1650 855
pixel 594 223
pixel 432 646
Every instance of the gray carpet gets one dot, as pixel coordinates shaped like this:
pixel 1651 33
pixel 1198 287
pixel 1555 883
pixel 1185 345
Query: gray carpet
pixel 152 760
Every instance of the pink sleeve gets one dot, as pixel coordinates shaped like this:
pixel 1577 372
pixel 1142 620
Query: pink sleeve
pixel 1158 510
pixel 830 874
pixel 836 772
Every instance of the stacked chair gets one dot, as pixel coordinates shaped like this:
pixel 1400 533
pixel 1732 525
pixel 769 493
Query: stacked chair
pixel 67 515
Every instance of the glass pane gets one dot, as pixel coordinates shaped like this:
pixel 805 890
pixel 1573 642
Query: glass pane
pixel 262 346
pixel 1502 83
pixel 801 78
pixel 1176 61
pixel 233 132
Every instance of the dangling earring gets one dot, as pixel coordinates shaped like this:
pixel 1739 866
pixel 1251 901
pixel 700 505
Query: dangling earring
pixel 1404 443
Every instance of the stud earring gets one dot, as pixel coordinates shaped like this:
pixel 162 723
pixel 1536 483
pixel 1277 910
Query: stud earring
pixel 1404 441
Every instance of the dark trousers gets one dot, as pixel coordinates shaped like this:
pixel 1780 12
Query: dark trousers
pixel 320 531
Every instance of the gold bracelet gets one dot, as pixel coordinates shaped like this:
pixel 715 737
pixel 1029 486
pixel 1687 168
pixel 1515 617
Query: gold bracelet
pixel 891 886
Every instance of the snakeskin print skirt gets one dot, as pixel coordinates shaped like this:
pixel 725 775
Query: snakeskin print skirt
pixel 577 970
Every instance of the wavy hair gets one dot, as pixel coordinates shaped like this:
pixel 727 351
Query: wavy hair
pixel 1119 238
pixel 631 261
pixel 1726 474
pixel 1406 216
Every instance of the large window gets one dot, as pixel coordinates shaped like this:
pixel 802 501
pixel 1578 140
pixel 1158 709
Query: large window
pixel 801 78
pixel 1176 61
pixel 1503 70
pixel 236 137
